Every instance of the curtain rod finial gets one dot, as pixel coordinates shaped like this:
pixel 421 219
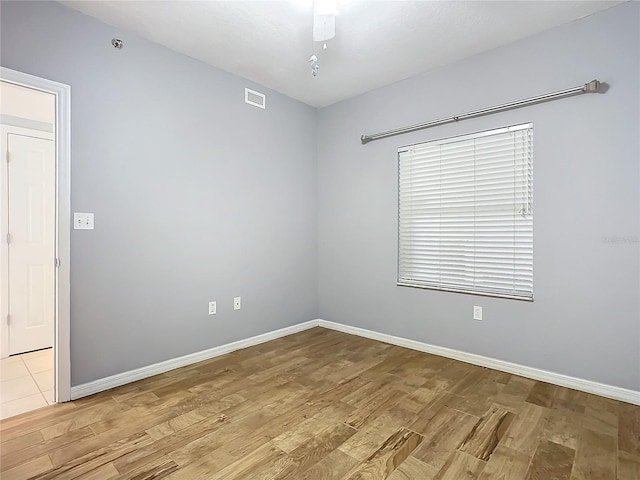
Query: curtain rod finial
pixel 365 139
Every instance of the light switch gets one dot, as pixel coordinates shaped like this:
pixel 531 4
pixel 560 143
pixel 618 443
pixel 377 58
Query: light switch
pixel 82 221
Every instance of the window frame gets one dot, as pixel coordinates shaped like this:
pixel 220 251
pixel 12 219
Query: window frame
pixel 462 289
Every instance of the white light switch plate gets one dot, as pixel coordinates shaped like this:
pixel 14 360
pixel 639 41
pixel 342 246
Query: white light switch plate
pixel 212 308
pixel 82 221
pixel 237 303
pixel 477 312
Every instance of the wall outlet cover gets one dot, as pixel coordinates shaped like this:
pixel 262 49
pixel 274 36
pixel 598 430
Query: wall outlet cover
pixel 477 312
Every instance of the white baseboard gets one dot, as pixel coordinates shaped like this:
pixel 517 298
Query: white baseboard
pixel 113 381
pixel 616 393
pixel 604 390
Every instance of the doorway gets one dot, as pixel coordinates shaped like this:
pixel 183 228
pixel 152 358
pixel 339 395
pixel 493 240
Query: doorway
pixel 34 251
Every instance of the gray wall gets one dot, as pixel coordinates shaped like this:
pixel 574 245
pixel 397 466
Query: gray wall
pixel 196 195
pixel 585 320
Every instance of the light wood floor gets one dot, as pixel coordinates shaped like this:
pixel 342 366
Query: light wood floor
pixel 325 405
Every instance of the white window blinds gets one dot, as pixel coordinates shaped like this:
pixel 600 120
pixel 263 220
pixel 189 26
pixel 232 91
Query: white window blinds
pixel 465 214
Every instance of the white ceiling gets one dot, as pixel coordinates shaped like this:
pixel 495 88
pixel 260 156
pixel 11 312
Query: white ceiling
pixel 376 43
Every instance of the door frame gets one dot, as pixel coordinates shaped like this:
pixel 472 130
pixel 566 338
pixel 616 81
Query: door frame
pixel 62 284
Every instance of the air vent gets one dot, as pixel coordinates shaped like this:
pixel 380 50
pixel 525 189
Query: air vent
pixel 255 98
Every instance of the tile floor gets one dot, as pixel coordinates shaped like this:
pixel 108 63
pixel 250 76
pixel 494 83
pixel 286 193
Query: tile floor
pixel 26 382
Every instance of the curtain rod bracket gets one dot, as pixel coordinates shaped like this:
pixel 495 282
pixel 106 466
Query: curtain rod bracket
pixel 592 87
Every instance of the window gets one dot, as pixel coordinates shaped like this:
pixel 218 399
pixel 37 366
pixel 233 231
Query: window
pixel 465 214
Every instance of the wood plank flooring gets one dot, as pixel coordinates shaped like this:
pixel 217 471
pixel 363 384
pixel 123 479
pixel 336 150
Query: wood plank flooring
pixel 323 405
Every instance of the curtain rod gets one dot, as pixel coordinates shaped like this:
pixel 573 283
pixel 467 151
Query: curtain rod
pixel 594 86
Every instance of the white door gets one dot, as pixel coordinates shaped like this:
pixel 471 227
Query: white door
pixel 31 242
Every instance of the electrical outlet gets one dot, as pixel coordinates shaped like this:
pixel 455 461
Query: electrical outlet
pixel 212 308
pixel 237 303
pixel 477 312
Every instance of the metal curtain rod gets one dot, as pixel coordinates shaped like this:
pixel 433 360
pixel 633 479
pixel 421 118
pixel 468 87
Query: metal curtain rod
pixel 594 86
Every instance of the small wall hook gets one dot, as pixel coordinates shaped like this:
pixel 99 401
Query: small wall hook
pixel 117 43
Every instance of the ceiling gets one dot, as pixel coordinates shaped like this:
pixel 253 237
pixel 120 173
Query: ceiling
pixel 376 42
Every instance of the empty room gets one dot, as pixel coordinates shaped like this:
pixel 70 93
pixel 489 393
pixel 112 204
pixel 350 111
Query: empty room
pixel 320 240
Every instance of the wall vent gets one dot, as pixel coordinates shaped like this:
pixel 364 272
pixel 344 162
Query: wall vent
pixel 254 98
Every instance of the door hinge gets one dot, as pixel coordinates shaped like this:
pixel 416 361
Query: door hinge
pixel 7 156
pixel 8 319
pixel 56 263
pixel 8 238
